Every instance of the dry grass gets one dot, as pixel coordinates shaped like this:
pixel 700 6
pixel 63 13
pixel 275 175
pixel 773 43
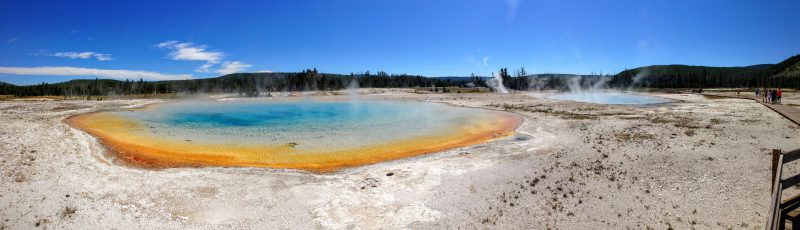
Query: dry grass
pixel 65 107
pixel 566 114
pixel 68 212
pixel 750 121
pixel 681 122
pixel 20 177
pixel 101 98
pixel 689 132
pixel 453 89
pixel 636 137
pixel 39 98
pixel 714 97
pixel 560 113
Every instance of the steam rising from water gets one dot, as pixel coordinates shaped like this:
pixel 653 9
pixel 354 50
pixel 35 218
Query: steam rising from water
pixel 352 90
pixel 577 85
pixel 496 83
pixel 595 89
pixel 568 83
pixel 537 83
pixel 638 78
pixel 353 95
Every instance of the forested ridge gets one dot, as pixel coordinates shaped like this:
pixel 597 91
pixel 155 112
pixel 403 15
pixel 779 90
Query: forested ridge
pixel 785 74
pixel 246 84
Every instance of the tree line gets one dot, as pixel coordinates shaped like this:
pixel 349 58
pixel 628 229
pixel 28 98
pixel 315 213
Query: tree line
pixel 785 74
pixel 679 76
pixel 245 84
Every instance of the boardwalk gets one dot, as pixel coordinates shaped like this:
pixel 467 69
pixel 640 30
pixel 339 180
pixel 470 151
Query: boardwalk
pixel 789 112
pixel 780 210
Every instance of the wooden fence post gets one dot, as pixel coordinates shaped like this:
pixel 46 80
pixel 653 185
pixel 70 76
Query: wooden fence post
pixel 775 154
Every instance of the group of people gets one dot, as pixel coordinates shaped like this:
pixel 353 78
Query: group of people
pixel 771 96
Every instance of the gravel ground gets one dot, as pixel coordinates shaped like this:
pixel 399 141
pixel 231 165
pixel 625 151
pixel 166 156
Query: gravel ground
pixel 694 163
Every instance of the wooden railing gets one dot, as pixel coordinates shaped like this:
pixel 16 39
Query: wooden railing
pixel 782 210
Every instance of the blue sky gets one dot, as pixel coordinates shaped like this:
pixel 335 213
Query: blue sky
pixel 196 39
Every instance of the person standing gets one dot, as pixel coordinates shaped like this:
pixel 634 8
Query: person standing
pixel 779 94
pixel 773 94
pixel 768 99
pixel 756 93
pixel 769 93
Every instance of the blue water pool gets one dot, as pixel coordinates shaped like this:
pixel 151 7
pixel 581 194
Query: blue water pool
pixel 327 124
pixel 321 135
pixel 611 98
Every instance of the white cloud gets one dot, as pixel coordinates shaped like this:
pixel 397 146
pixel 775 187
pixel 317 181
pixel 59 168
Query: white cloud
pixel 103 57
pixel 485 60
pixel 74 55
pixel 166 44
pixel 83 55
pixel 265 71
pixel 76 71
pixel 204 68
pixel 12 40
pixel 187 51
pixel 232 67
pixel 512 9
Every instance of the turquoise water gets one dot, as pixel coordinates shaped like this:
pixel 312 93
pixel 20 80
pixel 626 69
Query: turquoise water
pixel 276 115
pixel 310 124
pixel 611 98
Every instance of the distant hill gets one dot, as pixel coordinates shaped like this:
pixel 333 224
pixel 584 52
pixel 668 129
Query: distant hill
pixel 246 84
pixel 560 75
pixel 784 74
pixel 456 78
pixel 761 66
pixel 790 67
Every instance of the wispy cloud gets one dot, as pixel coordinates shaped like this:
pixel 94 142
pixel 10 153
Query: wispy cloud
pixel 103 57
pixel 485 60
pixel 187 51
pixel 512 9
pixel 83 55
pixel 106 73
pixel 12 40
pixel 205 68
pixel 232 67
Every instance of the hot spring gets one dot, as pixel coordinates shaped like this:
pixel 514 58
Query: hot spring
pixel 611 98
pixel 308 135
